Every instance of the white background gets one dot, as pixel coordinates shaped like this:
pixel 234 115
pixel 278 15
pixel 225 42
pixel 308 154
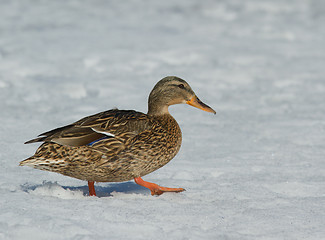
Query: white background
pixel 256 170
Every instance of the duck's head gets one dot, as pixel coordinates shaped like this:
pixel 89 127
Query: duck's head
pixel 173 90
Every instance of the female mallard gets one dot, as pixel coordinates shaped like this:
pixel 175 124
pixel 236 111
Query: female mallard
pixel 119 145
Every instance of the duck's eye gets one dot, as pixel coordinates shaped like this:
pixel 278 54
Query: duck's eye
pixel 181 86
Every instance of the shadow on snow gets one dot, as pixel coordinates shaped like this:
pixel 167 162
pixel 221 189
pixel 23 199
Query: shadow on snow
pixel 101 191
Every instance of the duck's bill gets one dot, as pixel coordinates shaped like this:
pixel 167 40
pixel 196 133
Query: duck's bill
pixel 196 102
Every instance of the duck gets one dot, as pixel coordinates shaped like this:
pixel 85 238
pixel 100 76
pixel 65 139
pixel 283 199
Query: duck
pixel 119 145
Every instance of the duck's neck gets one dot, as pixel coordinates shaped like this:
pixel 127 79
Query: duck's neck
pixel 158 111
pixel 157 106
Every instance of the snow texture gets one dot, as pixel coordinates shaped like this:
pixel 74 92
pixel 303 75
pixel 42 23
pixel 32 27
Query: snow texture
pixel 256 170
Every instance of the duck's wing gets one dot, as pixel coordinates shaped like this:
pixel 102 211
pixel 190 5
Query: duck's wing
pixel 113 127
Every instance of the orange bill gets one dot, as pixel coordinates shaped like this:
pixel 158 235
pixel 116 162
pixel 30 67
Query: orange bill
pixel 196 102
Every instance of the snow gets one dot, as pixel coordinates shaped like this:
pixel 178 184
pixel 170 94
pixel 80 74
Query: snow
pixel 255 170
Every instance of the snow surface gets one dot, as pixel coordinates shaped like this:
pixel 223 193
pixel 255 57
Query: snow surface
pixel 256 170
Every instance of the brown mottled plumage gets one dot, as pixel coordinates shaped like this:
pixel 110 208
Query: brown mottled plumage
pixel 118 145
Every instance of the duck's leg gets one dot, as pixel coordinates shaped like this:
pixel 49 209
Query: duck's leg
pixel 91 187
pixel 156 189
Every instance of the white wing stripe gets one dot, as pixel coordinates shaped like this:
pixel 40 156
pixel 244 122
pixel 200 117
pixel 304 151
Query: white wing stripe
pixel 102 132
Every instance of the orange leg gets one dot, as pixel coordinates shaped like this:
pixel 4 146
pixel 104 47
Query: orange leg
pixel 91 187
pixel 156 189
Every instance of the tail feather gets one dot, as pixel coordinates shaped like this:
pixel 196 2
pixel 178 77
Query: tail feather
pixel 31 162
pixel 43 164
pixel 39 139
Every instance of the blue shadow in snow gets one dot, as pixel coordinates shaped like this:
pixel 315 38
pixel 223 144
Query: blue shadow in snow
pixel 106 191
pixel 101 191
